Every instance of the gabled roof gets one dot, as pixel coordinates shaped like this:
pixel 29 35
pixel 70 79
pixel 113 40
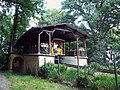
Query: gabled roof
pixel 63 31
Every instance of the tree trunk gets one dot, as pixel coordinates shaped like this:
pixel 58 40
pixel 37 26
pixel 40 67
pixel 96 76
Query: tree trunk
pixel 13 31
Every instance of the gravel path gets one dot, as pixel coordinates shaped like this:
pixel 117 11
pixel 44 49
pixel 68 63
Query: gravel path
pixel 4 83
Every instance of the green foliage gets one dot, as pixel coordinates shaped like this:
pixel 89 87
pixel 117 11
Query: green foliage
pixel 95 66
pixel 85 80
pixel 87 76
pixel 44 71
pixel 101 17
pixel 5 27
pixel 69 75
pixel 49 17
pixel 113 38
pixel 50 70
pixel 14 19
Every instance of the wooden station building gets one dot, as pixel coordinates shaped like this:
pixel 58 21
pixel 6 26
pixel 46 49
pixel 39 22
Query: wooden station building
pixel 41 45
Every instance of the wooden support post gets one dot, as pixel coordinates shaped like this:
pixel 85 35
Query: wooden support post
pixel 58 67
pixel 30 46
pixel 77 47
pixel 85 47
pixel 50 43
pixel 64 48
pixel 39 43
pixel 69 47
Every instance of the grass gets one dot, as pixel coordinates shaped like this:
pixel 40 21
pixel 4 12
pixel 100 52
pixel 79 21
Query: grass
pixel 106 81
pixel 25 82
pixel 100 82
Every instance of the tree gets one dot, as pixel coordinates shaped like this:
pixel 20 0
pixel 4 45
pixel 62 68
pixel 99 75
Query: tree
pixel 17 14
pixel 101 16
pixel 5 27
pixel 54 17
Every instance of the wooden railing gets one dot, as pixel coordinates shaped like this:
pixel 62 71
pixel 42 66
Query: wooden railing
pixel 74 53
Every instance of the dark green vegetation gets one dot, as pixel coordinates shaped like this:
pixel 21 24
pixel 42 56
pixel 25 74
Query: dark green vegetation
pixel 106 82
pixel 25 82
pixel 88 78
pixel 14 19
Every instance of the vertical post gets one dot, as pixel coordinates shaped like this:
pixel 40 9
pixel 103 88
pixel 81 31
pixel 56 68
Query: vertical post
pixel 39 43
pixel 115 71
pixel 69 47
pixel 58 67
pixel 85 47
pixel 30 46
pixel 64 48
pixel 50 43
pixel 77 47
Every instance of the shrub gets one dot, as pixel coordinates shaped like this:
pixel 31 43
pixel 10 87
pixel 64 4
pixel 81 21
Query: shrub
pixel 94 65
pixel 86 82
pixel 44 71
pixel 53 72
pixel 87 77
pixel 69 75
pixel 63 68
pixel 50 70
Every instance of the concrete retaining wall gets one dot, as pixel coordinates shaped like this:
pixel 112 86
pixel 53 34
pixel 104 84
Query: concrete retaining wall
pixel 72 60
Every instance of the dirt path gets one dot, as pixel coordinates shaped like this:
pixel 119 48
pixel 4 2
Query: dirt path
pixel 4 83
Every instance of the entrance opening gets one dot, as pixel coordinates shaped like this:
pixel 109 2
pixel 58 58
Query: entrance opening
pixel 18 65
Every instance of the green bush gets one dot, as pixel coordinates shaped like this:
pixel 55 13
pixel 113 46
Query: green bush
pixel 53 71
pixel 44 71
pixel 94 65
pixel 53 68
pixel 63 68
pixel 69 75
pixel 111 68
pixel 86 78
pixel 50 70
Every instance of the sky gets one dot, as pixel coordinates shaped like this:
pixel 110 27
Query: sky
pixel 53 4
